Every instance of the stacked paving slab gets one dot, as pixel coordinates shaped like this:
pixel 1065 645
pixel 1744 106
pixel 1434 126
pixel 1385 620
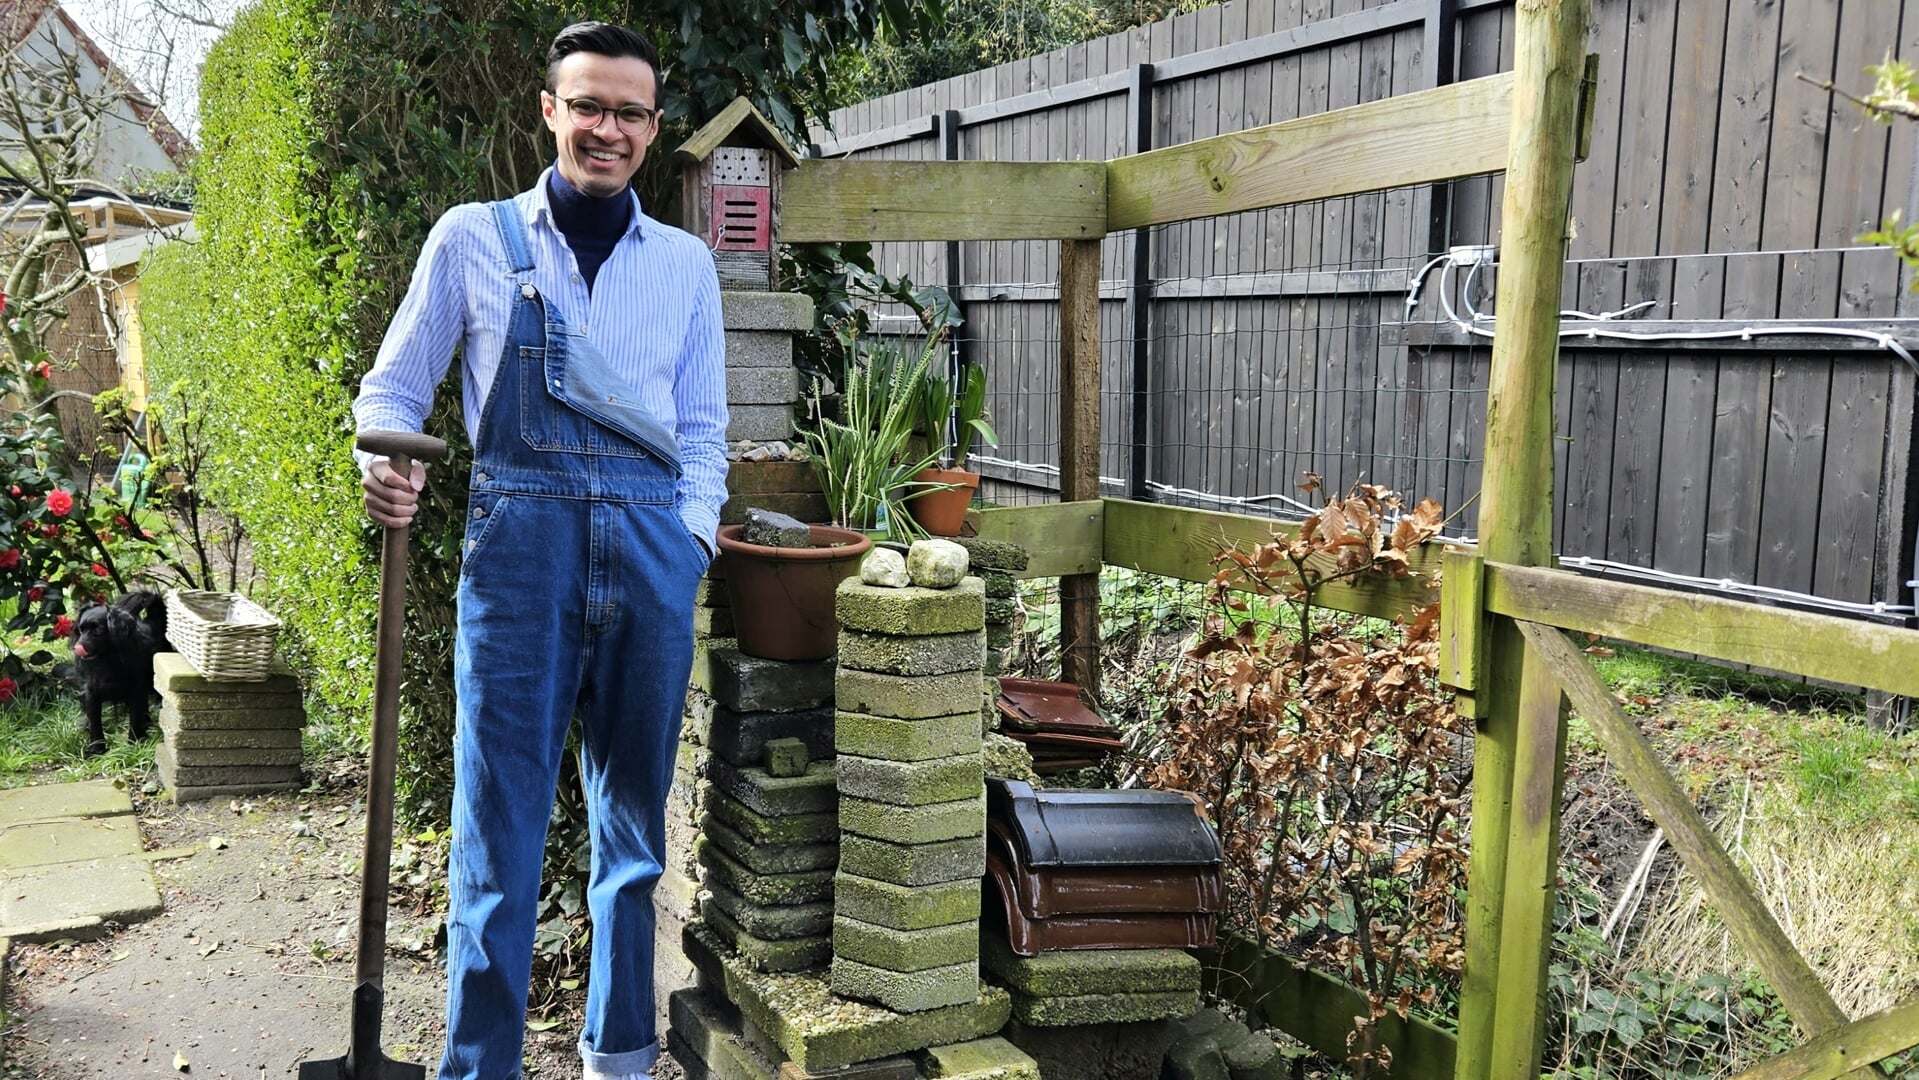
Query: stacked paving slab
pixel 769 828
pixel 762 384
pixel 995 562
pixel 225 737
pixel 1095 1014
pixel 911 785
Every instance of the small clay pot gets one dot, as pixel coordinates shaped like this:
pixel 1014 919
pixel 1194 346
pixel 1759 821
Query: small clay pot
pixel 942 512
pixel 783 598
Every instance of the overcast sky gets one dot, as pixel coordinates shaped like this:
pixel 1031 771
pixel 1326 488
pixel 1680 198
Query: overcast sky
pixel 161 43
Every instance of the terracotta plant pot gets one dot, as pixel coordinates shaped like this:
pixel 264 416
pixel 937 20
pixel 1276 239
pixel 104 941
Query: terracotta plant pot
pixel 783 597
pixel 942 512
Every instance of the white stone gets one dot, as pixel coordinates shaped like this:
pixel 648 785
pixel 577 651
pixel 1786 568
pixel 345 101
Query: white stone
pixel 885 567
pixel 936 564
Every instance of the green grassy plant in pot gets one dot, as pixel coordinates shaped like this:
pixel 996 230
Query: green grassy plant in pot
pixel 783 593
pixel 861 458
pixel 940 506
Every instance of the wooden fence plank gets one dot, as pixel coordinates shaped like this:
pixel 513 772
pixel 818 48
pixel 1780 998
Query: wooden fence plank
pixel 1766 945
pixel 828 201
pixel 1437 134
pixel 1079 446
pixel 1845 651
pixel 1837 1053
pixel 1059 538
pixel 1179 542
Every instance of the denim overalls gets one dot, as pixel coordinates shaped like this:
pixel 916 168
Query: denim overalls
pixel 575 598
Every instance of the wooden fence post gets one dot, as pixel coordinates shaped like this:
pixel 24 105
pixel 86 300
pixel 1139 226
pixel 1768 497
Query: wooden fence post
pixel 1079 448
pixel 1520 743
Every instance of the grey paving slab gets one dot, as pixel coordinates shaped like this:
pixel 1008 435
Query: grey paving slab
pixel 90 798
pixel 44 843
pixel 110 890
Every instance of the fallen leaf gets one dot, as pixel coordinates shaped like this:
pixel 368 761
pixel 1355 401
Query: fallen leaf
pixel 542 1025
pixel 217 842
pixel 180 1061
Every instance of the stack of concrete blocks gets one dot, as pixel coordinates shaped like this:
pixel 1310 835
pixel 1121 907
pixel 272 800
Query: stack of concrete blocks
pixel 912 794
pixel 227 737
pixel 762 385
pixel 770 832
pixel 1096 1014
pixel 996 562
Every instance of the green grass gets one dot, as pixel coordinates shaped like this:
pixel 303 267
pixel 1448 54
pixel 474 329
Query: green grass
pixel 42 738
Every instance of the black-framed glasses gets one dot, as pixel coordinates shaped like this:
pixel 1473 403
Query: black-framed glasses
pixel 587 113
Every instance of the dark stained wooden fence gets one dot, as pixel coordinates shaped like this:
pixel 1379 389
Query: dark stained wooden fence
pixel 1241 352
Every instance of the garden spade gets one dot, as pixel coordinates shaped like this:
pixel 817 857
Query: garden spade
pixel 364 1060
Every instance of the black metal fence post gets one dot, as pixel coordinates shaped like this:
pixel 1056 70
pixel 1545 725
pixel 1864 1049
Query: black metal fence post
pixel 1139 294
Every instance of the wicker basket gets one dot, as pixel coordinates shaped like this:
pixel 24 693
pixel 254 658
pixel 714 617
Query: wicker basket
pixel 223 635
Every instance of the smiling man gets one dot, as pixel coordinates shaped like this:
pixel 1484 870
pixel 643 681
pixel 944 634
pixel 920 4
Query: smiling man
pixel 594 394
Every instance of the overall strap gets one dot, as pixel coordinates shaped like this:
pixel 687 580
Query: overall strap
pixel 506 214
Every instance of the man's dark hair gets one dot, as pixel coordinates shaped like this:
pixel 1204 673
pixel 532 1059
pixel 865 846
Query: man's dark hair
pixel 601 39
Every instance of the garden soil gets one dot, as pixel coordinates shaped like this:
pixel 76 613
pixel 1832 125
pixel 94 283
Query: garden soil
pixel 249 970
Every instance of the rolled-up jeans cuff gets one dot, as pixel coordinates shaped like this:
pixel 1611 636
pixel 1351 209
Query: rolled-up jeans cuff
pixel 633 1061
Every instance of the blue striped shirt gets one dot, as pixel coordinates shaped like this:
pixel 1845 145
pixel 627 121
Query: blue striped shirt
pixel 654 312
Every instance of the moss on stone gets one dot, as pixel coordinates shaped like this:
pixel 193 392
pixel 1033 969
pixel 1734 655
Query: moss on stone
pixel 776 922
pixel 876 609
pixel 906 740
pixel 908 697
pixel 907 991
pixel 815 792
pixel 914 864
pixel 914 824
pixel 895 654
pixel 786 829
pixel 767 954
pixel 1089 971
pixel 772 858
pixel 991 1058
pixel 993 554
pixel 913 783
pixel 769 889
pixel 905 950
pixel 1104 1008
pixel 902 907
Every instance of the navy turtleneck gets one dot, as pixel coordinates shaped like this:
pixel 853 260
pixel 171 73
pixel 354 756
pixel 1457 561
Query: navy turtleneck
pixel 591 225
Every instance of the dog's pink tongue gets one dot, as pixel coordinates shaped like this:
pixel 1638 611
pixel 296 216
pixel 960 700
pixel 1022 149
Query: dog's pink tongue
pixel 80 651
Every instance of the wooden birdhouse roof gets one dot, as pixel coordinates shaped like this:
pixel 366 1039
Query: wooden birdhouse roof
pixel 719 131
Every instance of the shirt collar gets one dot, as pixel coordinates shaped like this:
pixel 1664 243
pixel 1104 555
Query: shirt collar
pixel 540 210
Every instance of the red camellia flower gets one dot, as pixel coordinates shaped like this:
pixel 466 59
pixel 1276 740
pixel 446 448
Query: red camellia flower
pixel 59 502
pixel 34 594
pixel 62 627
pixel 15 491
pixel 7 689
pixel 9 558
pixel 43 369
pixel 99 571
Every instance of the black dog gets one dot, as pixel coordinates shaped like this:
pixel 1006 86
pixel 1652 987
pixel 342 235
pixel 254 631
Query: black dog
pixel 113 647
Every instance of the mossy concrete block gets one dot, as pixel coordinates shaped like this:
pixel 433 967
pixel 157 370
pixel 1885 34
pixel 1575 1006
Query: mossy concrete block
pixel 818 1031
pixel 1089 971
pixel 175 775
pixel 232 738
pixel 741 737
pixel 982 1059
pixel 193 757
pixel 1097 1051
pixel 1001 610
pixel 914 864
pixel 1104 1008
pixel 761 829
pixel 907 991
pixel 908 697
pixel 772 858
pixel 701 677
pixel 914 824
pixel 899 1067
pixel 173 675
pixel 184 793
pixel 767 954
pixel 905 950
pixel 781 922
pixel 1195 1057
pixel 999 636
pixel 710 592
pixel 816 792
pixel 906 740
pixel 1253 1058
pixel 912 611
pixel 912 783
pixel 241 714
pixel 896 654
pixel 713 621
pixel 771 890
pixel 904 907
pixel 707 1042
pixel 999 584
pixel 786 757
pixel 1008 758
pixel 754 684
pixel 993 554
